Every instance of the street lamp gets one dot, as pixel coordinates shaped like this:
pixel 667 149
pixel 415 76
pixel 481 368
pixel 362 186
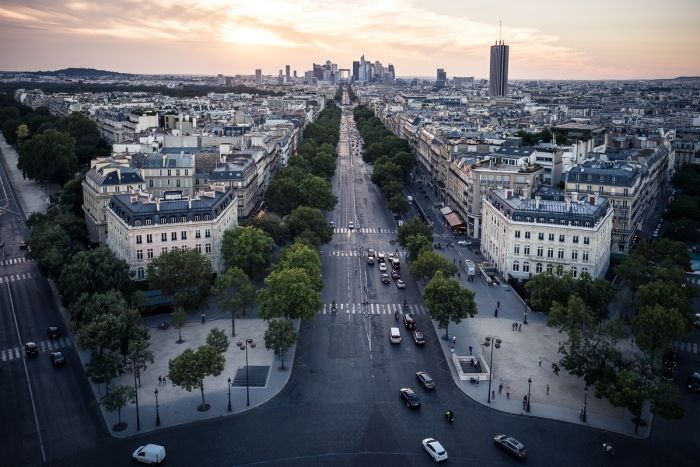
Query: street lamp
pixel 525 317
pixel 136 393
pixel 243 345
pixel 157 408
pixel 529 383
pixel 497 344
pixel 229 394
pixel 585 400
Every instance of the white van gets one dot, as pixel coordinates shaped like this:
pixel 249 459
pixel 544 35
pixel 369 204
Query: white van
pixel 395 335
pixel 149 454
pixel 410 199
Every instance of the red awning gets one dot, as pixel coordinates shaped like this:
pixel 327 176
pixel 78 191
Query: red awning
pixel 453 220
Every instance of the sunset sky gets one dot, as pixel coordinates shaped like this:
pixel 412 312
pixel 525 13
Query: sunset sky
pixel 565 39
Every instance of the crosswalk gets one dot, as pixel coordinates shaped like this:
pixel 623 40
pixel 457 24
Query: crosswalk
pixel 688 347
pixel 15 277
pixel 44 346
pixel 400 254
pixel 11 261
pixel 340 230
pixel 374 309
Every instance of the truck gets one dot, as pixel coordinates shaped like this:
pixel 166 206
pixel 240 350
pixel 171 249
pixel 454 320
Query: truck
pixel 469 267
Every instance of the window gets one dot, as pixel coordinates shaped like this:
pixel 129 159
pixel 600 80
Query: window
pixel 164 237
pixel 551 237
pixel 207 248
pixel 148 221
pixel 540 236
pixel 139 255
pixel 585 256
pixel 574 255
pixel 207 217
pixel 526 250
pixel 173 236
pixel 516 266
pixel 183 235
pixel 139 240
pixel 584 271
pixel 197 233
pixel 197 218
pixel 149 238
pixel 550 268
pixel 562 238
pixel 626 192
pixel 560 253
pixel 538 268
pixel 516 250
pixel 183 218
pixel 177 183
pixel 164 250
pixel 140 273
pixel 540 251
pixel 163 220
pixel 574 272
pixel 149 253
pixel 207 233
pixel 137 223
pixel 198 247
pixel 560 270
pixel 517 234
pixel 575 239
pixel 550 252
pixel 150 183
pixel 586 240
pixel 526 266
pixel 527 235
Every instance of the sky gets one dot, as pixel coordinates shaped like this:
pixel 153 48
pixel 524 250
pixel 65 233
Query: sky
pixel 548 39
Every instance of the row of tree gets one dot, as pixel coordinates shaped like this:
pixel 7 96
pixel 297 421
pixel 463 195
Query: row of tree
pixel 683 213
pixel 390 156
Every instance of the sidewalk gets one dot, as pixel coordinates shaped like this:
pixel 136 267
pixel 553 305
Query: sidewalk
pixel 31 195
pixel 177 406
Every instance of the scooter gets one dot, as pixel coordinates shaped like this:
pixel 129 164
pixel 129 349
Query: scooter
pixel 163 325
pixel 450 417
pixel 608 449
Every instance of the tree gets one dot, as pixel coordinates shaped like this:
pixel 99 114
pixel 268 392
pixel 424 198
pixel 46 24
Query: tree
pixel 72 195
pixel 414 226
pixel 279 337
pixel 88 143
pixel 22 132
pixel 189 369
pixel 634 271
pixel 48 157
pixel 416 244
pixel 103 368
pixel 218 340
pixel 91 271
pixel 273 225
pixel 303 256
pixel 656 326
pixel 398 205
pixel 234 292
pixel 547 288
pixel 87 307
pixel 289 293
pixel 101 334
pixel 428 263
pixel 316 192
pixel 116 399
pixel 248 248
pixel 307 218
pixel 664 294
pixel 50 245
pixel 183 275
pixel 9 130
pixel 178 320
pixel 323 164
pixel 448 302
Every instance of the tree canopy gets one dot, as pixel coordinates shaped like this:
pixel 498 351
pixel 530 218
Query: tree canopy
pixel 448 302
pixel 248 248
pixel 289 293
pixel 183 275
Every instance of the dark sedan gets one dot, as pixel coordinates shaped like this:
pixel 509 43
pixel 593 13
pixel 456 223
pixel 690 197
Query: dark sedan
pixel 408 321
pixel 511 445
pixel 57 358
pixel 418 337
pixel 31 348
pixel 425 380
pixel 385 278
pixel 694 381
pixel 410 398
pixel 395 274
pixel 54 332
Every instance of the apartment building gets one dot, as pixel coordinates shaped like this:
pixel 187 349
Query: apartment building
pixel 239 174
pixel 140 227
pixel 523 236
pixel 169 173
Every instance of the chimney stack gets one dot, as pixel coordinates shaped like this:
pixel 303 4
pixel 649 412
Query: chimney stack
pixel 537 202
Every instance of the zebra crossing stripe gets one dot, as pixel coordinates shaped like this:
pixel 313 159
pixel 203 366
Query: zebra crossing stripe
pixel 4 356
pixel 16 349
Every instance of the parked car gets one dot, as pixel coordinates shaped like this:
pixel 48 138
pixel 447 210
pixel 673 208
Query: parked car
pixel 149 454
pixel 418 337
pixel 464 243
pixel 425 380
pixel 57 359
pixel 400 284
pixel 410 398
pixel 694 381
pixel 435 449
pixel 408 321
pixel 54 332
pixel 511 445
pixel 31 348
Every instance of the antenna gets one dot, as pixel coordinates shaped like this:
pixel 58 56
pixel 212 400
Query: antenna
pixel 499 32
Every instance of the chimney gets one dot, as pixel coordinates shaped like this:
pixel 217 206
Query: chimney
pixel 574 196
pixel 591 199
pixel 157 204
pixel 189 202
pixel 509 194
pixel 537 202
pixel 568 204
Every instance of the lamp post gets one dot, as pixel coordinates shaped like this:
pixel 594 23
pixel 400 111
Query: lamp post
pixel 497 344
pixel 529 384
pixel 525 315
pixel 243 345
pixel 229 394
pixel 157 408
pixel 585 401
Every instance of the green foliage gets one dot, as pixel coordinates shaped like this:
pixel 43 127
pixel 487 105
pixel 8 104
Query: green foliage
pixel 88 144
pixel 50 246
pixel 306 218
pixel 273 225
pixel 101 334
pixel 532 139
pixel 305 257
pixel 248 248
pixel 316 192
pixel 72 196
pixel 234 292
pixel 547 288
pixel 663 294
pixel 414 226
pixel 279 337
pixel 117 398
pixel 178 320
pixel 103 368
pixel 447 301
pixel 189 369
pixel 655 327
pixel 183 275
pixel 48 157
pixel 289 293
pixel 218 340
pixel 415 244
pixel 9 130
pixel 87 307
pixel 428 263
pixel 398 204
pixel 93 271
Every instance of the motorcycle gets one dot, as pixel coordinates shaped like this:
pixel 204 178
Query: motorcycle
pixel 608 449
pixel 163 325
pixel 396 315
pixel 474 380
pixel 450 416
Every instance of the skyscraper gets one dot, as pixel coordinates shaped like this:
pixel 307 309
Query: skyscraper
pixel 498 79
pixel 258 76
pixel 356 70
pixel 441 80
pixel 286 71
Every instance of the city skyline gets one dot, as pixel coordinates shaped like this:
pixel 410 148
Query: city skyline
pixel 624 40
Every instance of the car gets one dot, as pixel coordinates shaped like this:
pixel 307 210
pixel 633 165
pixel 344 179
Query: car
pixel 31 348
pixel 464 243
pixel 385 278
pixel 435 449
pixel 23 245
pixel 57 359
pixel 511 445
pixel 381 256
pixel 694 381
pixel 395 274
pixel 400 284
pixel 371 252
pixel 670 358
pixel 351 225
pixel 54 332
pixel 410 398
pixel 149 454
pixel 669 374
pixel 331 224
pixel 418 337
pixel 382 267
pixel 425 380
pixel 408 321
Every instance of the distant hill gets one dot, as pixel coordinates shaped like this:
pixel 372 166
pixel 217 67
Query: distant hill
pixel 686 78
pixel 83 73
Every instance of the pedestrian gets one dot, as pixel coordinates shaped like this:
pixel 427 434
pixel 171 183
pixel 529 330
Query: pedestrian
pixel 160 380
pixel 513 326
pixel 203 317
pixel 459 276
pixel 507 392
pixel 495 313
pixel 540 362
pixel 498 304
pixel 520 327
pixel 164 381
pixel 493 395
pixel 453 261
pixel 500 388
pixel 548 389
pixel 470 350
